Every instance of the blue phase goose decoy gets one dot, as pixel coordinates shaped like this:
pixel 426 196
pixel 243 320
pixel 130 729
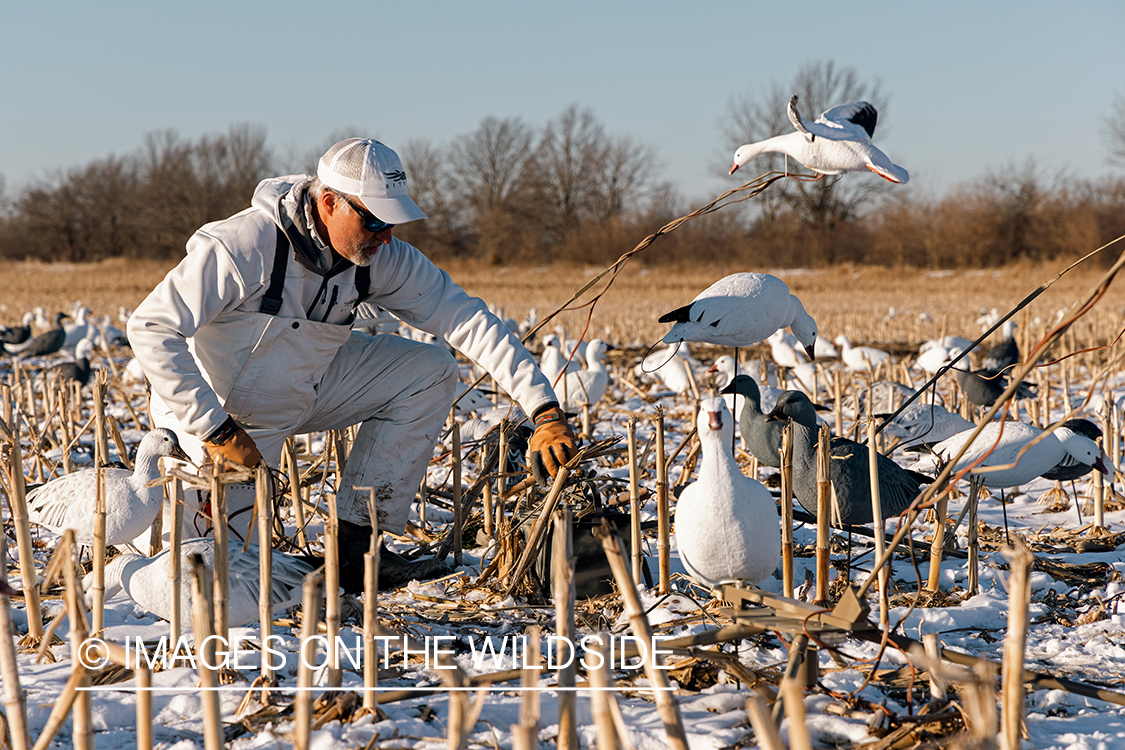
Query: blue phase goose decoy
pixel 850 475
pixel 17 334
pixel 838 141
pixel 762 438
pixel 983 387
pixel 145 579
pixel 43 344
pixel 740 310
pixel 1005 353
pixel 131 505
pixel 726 524
pixel 79 369
pixel 1070 467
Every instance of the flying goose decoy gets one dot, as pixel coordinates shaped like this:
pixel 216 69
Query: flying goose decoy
pixel 838 141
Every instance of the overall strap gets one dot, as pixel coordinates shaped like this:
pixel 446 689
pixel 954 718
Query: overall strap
pixel 362 282
pixel 362 285
pixel 271 303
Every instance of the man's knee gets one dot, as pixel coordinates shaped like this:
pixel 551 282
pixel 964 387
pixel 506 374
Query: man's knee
pixel 444 367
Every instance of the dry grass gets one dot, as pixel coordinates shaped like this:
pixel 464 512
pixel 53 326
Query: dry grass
pixel 854 300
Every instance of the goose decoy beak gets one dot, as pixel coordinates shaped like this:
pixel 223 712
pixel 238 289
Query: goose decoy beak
pixel 1099 464
pixel 809 351
pixel 715 420
pixel 733 169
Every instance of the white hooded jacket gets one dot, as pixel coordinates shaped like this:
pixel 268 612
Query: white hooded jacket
pixel 195 332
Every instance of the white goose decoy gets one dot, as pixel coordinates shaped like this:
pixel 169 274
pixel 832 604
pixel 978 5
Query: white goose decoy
pixel 145 579
pixel 552 361
pixel 727 528
pixel 784 351
pixel 588 386
pixel 740 310
pixel 936 354
pixel 470 400
pixel 839 141
pixel 724 372
pixel 671 367
pixel 131 505
pixel 1006 440
pixel 859 358
pixel 931 423
pixel 78 329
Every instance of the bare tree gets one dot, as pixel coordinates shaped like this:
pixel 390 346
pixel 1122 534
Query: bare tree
pixel 584 174
pixel 1115 131
pixel 492 164
pixel 821 205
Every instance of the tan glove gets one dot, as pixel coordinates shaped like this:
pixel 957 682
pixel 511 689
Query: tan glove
pixel 552 444
pixel 233 444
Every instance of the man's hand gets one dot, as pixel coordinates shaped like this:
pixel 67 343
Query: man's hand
pixel 552 444
pixel 233 444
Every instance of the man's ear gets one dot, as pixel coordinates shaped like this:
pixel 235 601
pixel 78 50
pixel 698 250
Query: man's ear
pixel 328 202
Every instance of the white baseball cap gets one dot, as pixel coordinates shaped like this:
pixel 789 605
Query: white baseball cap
pixel 372 172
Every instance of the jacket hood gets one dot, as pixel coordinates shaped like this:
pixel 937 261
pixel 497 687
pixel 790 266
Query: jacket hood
pixel 284 199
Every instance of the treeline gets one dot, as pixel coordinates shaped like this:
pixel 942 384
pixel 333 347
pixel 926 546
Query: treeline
pixel 512 193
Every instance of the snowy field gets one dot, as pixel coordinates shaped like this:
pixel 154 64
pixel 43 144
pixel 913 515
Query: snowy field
pixel 1077 613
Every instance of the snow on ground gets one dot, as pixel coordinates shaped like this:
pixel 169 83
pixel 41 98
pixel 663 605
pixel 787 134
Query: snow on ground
pixel 1078 631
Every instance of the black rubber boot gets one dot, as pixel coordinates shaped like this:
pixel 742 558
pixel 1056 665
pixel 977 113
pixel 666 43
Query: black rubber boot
pixel 354 540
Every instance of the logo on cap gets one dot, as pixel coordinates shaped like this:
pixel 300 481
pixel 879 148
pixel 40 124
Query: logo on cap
pixel 395 176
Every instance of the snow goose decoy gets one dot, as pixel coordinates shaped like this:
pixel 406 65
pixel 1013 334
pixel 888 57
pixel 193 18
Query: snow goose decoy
pixel 552 361
pixel 131 505
pixel 727 527
pixel 931 423
pixel 79 329
pixel 885 395
pixel 783 349
pixel 740 310
pixel 671 367
pixel 43 344
pixel 589 385
pixel 850 475
pixel 1000 443
pixel 937 353
pixel 860 358
pixel 838 141
pixel 762 438
pixel 145 579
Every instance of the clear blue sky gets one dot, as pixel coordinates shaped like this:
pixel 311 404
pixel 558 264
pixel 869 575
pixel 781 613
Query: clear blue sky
pixel 972 86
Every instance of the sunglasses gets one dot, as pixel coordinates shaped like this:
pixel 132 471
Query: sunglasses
pixel 370 222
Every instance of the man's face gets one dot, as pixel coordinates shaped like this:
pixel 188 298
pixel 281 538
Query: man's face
pixel 346 233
